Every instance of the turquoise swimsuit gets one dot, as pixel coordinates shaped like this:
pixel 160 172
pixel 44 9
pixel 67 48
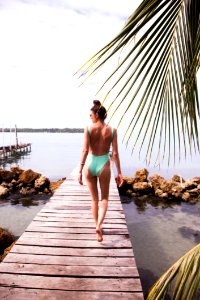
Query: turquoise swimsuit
pixel 97 162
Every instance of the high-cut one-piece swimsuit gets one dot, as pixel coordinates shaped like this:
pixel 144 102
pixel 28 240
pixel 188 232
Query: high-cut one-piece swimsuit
pixel 97 162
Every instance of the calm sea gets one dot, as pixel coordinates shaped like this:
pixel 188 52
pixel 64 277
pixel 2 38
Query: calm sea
pixel 56 154
pixel 160 233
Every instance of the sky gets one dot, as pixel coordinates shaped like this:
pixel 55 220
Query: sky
pixel 43 43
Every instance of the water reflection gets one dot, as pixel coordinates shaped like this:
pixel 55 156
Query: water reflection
pixel 16 158
pixel 161 232
pixel 142 202
pixel 28 201
pixel 189 233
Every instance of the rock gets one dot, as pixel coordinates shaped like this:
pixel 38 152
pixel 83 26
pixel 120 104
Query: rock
pixel 128 180
pixel 42 183
pixel 194 192
pixel 143 197
pixel 177 178
pixel 141 187
pixel 27 191
pixel 55 185
pixel 134 194
pixel 141 175
pixel 6 239
pixel 14 182
pixel 167 186
pixel 6 251
pixel 6 175
pixel 196 180
pixel 161 194
pixel 156 180
pixel 189 184
pixel 28 176
pixel 185 196
pixel 177 191
pixel 3 192
pixel 17 171
pixel 129 192
pixel 164 195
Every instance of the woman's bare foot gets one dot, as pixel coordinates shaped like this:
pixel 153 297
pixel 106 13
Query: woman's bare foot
pixel 99 235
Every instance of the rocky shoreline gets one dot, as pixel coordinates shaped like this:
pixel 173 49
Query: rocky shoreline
pixel 177 188
pixel 18 183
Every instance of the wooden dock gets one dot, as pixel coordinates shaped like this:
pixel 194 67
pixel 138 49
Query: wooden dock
pixel 6 151
pixel 58 257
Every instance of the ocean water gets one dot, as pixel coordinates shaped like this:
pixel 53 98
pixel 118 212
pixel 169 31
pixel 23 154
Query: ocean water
pixel 56 154
pixel 160 233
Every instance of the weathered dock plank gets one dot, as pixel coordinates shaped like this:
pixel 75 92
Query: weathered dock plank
pixel 58 257
pixel 43 294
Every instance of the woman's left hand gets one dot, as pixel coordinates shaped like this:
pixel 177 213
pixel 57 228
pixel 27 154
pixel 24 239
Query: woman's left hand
pixel 80 178
pixel 119 180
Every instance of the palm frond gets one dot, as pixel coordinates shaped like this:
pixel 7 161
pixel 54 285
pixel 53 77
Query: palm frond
pixel 156 78
pixel 187 273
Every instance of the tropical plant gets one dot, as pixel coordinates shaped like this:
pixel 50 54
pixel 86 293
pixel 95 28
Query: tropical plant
pixel 154 83
pixel 187 273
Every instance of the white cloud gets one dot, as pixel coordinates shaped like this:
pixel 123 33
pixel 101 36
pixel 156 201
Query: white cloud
pixel 42 44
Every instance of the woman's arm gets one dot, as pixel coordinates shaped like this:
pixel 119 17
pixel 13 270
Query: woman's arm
pixel 115 157
pixel 84 154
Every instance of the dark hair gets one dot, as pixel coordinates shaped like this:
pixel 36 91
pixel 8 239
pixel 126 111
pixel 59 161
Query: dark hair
pixel 98 108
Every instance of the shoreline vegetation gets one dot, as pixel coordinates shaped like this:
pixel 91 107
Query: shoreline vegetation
pixel 51 130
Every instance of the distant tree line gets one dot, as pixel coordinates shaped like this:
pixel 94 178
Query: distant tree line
pixel 54 130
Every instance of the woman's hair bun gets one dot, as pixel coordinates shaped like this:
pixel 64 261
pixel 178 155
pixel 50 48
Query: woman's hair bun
pixel 97 102
pixel 98 108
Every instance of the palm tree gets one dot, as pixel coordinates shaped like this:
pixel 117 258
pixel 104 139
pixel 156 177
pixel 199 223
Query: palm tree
pixel 187 273
pixel 154 83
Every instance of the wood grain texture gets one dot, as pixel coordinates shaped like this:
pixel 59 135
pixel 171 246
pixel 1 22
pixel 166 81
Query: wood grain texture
pixel 58 256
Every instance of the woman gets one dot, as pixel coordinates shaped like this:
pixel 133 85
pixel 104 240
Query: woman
pixel 97 141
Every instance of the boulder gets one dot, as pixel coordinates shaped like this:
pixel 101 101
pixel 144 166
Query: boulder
pixel 3 192
pixel 177 191
pixel 42 183
pixel 161 194
pixel 129 192
pixel 128 180
pixel 178 178
pixel 141 175
pixel 27 191
pixel 6 175
pixel 6 239
pixel 196 180
pixel 194 192
pixel 167 186
pixel 6 251
pixel 156 180
pixel 143 187
pixel 28 177
pixel 186 196
pixel 55 185
pixel 17 170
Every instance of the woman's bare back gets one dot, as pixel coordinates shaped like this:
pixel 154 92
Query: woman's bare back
pixel 100 139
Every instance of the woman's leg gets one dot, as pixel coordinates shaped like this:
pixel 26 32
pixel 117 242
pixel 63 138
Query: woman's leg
pixel 92 185
pixel 104 180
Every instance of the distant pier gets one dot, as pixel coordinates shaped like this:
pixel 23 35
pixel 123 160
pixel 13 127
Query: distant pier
pixel 7 151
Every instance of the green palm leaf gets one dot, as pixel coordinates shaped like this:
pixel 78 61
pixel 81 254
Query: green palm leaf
pixel 156 78
pixel 187 273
